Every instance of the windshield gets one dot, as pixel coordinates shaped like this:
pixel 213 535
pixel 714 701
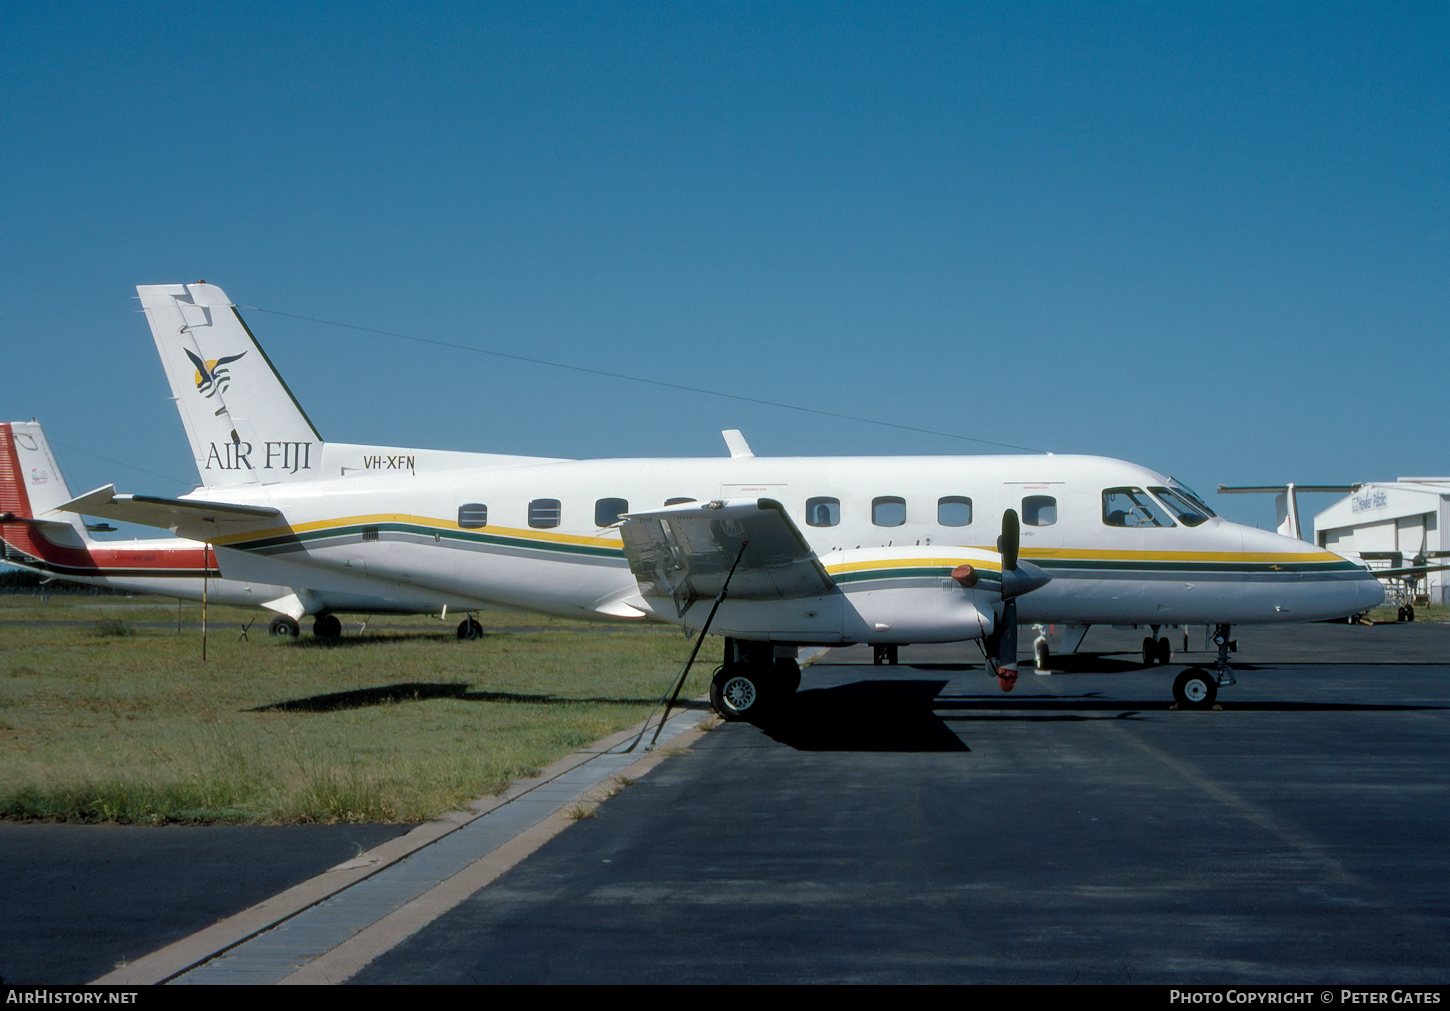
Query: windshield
pixel 1182 489
pixel 1190 511
pixel 1131 507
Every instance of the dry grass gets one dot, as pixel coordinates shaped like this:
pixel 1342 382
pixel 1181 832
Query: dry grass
pixel 114 718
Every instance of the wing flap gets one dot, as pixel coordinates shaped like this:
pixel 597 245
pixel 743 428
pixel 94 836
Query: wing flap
pixel 687 551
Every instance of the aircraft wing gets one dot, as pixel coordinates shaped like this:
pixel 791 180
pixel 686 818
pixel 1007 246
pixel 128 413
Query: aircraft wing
pixel 166 513
pixel 686 552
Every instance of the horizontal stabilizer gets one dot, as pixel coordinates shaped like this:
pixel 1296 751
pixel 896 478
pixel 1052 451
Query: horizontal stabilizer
pixel 687 552
pixel 166 513
pixel 58 531
pixel 1407 570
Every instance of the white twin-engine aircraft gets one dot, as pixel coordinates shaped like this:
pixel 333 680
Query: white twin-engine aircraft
pixel 803 551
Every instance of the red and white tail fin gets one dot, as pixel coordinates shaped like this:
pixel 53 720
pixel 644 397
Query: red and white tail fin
pixel 244 425
pixel 31 487
pixel 30 480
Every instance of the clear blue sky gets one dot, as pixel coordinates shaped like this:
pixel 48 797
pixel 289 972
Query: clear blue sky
pixel 1212 239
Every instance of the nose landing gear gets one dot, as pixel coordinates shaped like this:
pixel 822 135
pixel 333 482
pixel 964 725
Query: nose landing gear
pixel 1196 688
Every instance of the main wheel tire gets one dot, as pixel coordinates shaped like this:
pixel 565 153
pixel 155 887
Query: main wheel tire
pixel 1409 613
pixel 470 628
pixel 327 626
pixel 1195 688
pixel 787 675
pixel 1150 651
pixel 738 692
pixel 283 625
pixel 1165 651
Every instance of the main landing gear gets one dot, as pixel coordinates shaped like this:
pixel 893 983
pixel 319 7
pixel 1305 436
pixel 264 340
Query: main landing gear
pixel 753 681
pixel 1197 688
pixel 1156 650
pixel 324 626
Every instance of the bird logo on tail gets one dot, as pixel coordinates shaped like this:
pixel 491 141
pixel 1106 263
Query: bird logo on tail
pixel 212 377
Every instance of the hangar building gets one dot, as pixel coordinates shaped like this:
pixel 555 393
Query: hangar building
pixel 1389 523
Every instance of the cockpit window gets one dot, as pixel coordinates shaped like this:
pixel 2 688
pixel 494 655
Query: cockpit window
pixel 1182 506
pixel 1191 495
pixel 1132 507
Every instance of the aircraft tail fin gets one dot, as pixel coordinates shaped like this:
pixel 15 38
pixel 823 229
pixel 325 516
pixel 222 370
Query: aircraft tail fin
pixel 31 486
pixel 243 423
pixel 30 480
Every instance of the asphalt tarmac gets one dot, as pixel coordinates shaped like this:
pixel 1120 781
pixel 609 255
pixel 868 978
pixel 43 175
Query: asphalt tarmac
pixel 911 824
pixel 77 900
pixel 917 825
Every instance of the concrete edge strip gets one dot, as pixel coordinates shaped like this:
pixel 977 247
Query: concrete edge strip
pixel 206 944
pixel 350 957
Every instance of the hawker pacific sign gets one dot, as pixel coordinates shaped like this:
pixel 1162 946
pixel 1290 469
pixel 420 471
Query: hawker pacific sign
pixel 1373 498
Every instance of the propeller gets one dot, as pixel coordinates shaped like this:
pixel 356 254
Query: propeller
pixel 1011 539
pixel 1018 577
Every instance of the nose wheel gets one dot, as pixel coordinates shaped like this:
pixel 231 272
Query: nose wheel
pixel 1195 688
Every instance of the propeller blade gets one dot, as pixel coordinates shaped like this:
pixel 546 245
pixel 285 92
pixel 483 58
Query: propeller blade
pixel 1010 540
pixel 1007 647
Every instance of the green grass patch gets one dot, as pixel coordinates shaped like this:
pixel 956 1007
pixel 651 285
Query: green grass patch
pixel 108 714
pixel 1423 612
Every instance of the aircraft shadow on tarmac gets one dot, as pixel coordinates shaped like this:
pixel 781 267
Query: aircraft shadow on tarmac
pixel 418 691
pixel 369 639
pixel 1089 663
pixel 865 716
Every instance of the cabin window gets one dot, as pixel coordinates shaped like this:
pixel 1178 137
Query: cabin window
pixel 1184 508
pixel 607 510
pixel 954 511
pixel 888 511
pixel 679 501
pixel 1131 507
pixel 1039 510
pixel 370 533
pixel 544 512
pixel 823 512
pixel 473 515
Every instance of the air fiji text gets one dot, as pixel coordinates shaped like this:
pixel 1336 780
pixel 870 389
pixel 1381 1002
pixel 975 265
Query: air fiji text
pixel 288 456
pixel 404 462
